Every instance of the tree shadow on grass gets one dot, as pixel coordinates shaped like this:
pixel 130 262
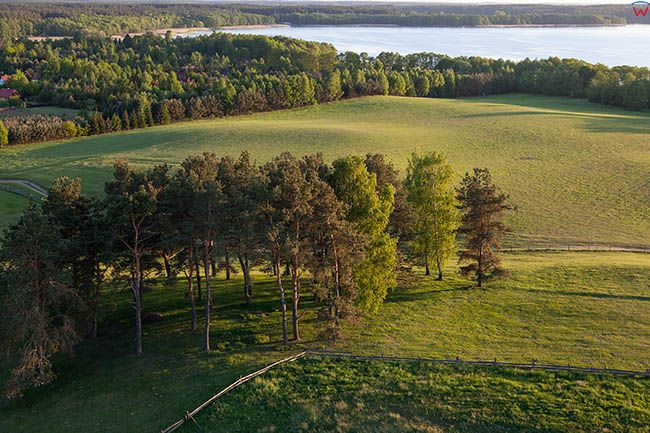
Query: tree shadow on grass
pixel 590 295
pixel 411 296
pixel 596 123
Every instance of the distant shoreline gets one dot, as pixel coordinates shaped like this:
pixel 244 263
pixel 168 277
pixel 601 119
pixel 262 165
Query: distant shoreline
pixel 162 32
pixel 184 30
pixel 497 26
pixel 252 27
pixel 524 26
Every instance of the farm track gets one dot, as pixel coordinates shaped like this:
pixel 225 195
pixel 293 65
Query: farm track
pixel 32 186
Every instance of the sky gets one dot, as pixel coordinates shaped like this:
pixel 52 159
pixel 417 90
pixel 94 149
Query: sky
pixel 573 2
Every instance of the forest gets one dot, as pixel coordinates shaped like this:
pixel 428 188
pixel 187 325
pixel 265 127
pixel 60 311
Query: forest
pixel 148 80
pixel 335 232
pixel 70 19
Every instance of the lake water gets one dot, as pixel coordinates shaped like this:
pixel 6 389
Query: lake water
pixel 609 45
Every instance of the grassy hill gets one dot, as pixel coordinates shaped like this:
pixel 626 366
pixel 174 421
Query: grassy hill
pixel 577 171
pixel 582 308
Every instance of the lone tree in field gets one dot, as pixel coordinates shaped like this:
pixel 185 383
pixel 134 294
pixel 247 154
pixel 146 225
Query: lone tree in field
pixel 430 192
pixel 483 206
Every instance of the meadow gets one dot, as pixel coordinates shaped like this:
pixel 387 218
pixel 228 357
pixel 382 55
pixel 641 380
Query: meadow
pixel 328 396
pixel 583 308
pixel 573 169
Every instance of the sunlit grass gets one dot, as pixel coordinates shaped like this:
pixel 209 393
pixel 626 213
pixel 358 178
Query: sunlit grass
pixel 574 308
pixel 320 396
pixel 575 170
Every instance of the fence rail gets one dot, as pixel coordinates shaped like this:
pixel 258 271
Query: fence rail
pixel 17 191
pixel 322 353
pixel 12 186
pixel 578 247
pixel 458 361
pixel 190 415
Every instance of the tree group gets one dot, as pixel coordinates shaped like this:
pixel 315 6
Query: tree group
pixel 337 230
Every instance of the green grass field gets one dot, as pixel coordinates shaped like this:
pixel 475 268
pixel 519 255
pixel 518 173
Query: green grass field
pixel 579 308
pixel 11 205
pixel 372 397
pixel 575 170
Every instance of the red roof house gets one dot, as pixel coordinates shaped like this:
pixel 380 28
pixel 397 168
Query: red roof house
pixel 9 93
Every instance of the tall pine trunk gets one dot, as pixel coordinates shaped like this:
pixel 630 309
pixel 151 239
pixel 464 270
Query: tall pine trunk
pixel 198 278
pixel 168 266
pixel 208 297
pixel 439 264
pixel 227 259
pixel 295 277
pixel 190 287
pixel 479 267
pixel 95 302
pixel 283 305
pixel 136 282
pixel 248 284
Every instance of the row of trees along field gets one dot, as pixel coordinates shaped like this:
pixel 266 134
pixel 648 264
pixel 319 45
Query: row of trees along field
pixel 146 80
pixel 69 19
pixel 339 229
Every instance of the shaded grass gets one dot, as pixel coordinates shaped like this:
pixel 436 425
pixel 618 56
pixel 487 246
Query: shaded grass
pixel 576 171
pixel 372 396
pixel 578 308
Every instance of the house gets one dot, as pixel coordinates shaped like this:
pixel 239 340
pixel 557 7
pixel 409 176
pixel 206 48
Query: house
pixel 4 79
pixel 9 94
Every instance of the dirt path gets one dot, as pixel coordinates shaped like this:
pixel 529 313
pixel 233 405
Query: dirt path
pixel 32 186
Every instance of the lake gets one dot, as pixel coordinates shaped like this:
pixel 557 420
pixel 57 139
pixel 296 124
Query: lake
pixel 609 45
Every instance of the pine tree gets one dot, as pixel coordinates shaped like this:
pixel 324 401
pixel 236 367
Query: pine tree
pixel 37 305
pixel 483 207
pixel 130 203
pixel 126 122
pixel 116 123
pixel 163 115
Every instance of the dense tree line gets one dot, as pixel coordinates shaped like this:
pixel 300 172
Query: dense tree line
pixel 415 19
pixel 70 19
pixel 105 20
pixel 146 80
pixel 446 15
pixel 322 229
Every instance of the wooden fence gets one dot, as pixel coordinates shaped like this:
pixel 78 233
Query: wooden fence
pixel 189 416
pixel 458 361
pixel 322 353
